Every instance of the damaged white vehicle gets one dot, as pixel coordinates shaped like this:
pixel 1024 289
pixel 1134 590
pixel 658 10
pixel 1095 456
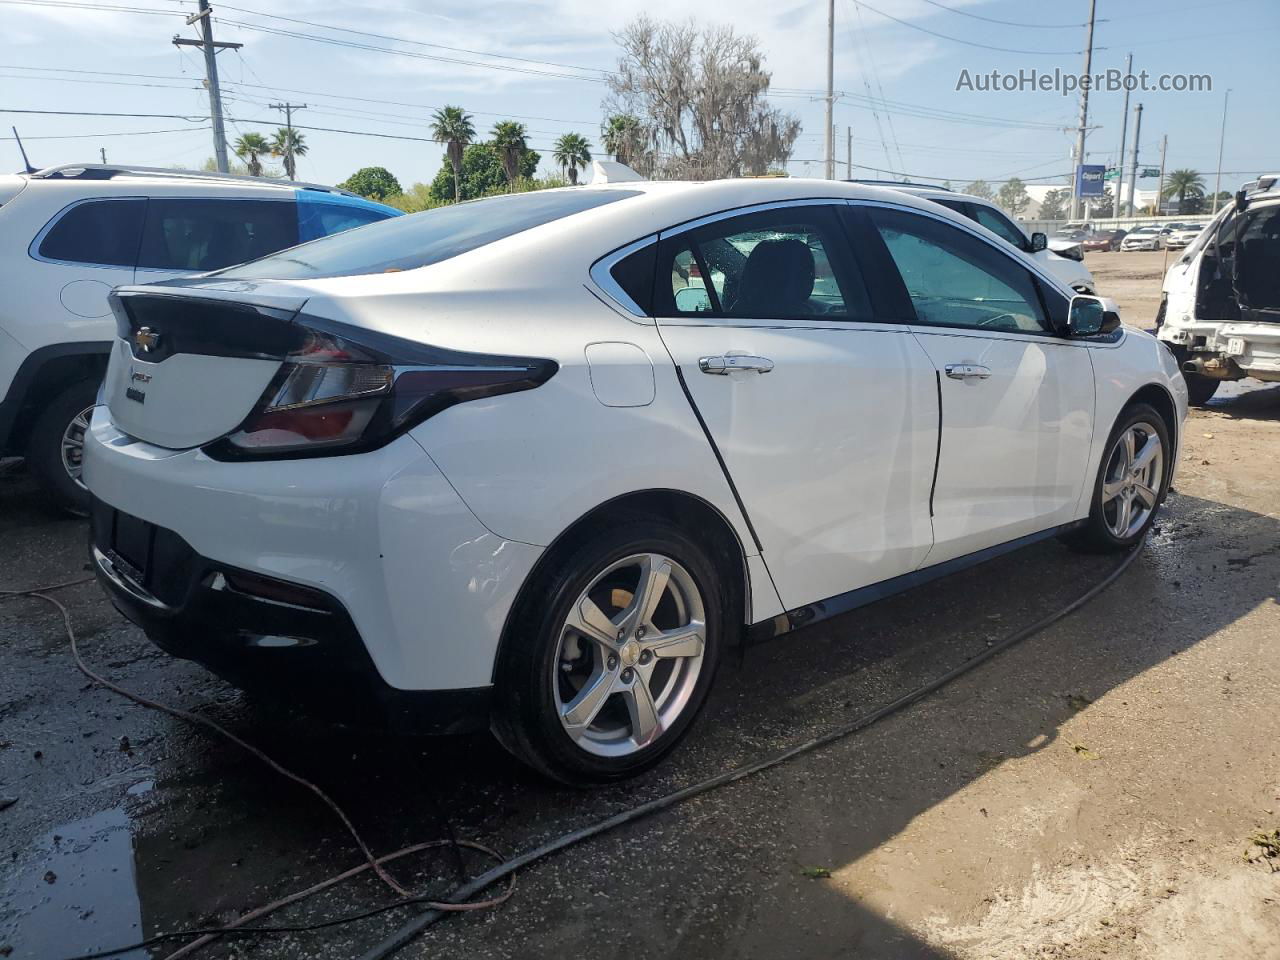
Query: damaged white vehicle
pixel 1220 306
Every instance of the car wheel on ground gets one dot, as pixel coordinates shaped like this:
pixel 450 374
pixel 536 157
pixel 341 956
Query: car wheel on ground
pixel 1131 484
pixel 610 658
pixel 55 450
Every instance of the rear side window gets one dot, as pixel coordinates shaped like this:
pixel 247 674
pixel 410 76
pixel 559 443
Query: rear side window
pixel 420 239
pixel 316 220
pixel 634 274
pixel 783 264
pixel 102 232
pixel 201 235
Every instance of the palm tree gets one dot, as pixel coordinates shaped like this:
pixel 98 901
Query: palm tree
pixel 249 148
pixel 508 140
pixel 289 144
pixel 573 151
pixel 621 135
pixel 1182 184
pixel 452 127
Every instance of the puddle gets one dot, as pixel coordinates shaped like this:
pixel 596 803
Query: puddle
pixel 76 892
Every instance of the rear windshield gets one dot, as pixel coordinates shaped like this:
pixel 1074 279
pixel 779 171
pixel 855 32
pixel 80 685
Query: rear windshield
pixel 403 243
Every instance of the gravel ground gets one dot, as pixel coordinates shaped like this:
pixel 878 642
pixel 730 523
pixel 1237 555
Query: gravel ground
pixel 1091 792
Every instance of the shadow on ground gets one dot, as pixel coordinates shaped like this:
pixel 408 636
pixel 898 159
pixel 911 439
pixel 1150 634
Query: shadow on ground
pixel 214 832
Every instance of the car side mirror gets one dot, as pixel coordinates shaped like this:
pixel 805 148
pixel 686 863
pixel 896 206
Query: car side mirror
pixel 1087 317
pixel 1039 241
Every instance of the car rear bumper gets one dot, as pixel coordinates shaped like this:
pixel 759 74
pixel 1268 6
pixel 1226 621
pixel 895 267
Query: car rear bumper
pixel 296 645
pixel 394 562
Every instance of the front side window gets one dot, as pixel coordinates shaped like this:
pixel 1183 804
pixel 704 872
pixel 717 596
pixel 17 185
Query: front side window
pixel 999 224
pixel 957 280
pixel 421 239
pixel 317 220
pixel 103 232
pixel 781 264
pixel 202 235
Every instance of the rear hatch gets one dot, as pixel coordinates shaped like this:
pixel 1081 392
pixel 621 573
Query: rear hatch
pixel 190 365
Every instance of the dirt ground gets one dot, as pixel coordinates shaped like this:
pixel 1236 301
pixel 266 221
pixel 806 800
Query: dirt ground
pixel 1132 280
pixel 1092 792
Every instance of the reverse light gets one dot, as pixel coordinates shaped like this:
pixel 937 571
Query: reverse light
pixel 343 390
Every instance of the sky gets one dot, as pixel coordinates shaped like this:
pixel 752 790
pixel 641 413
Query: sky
pixel 543 62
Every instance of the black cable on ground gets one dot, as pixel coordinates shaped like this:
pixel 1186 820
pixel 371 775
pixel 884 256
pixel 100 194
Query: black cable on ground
pixel 415 926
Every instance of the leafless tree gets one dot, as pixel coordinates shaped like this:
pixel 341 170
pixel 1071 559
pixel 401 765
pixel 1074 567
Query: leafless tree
pixel 700 94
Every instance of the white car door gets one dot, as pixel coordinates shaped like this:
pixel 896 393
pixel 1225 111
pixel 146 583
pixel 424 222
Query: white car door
pixel 826 418
pixel 1017 400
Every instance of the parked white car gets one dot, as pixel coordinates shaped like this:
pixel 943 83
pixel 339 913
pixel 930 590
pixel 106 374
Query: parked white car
pixel 512 462
pixel 1183 235
pixel 1142 238
pixel 1064 259
pixel 69 234
pixel 1220 307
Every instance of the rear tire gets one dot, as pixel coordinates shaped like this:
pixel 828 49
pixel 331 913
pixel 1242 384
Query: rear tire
pixel 1132 482
pixel 584 705
pixel 1200 390
pixel 56 447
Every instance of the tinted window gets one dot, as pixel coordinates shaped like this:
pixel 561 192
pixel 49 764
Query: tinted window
pixel 404 243
pixel 999 224
pixel 317 220
pixel 957 280
pixel 634 274
pixel 100 231
pixel 210 234
pixel 777 264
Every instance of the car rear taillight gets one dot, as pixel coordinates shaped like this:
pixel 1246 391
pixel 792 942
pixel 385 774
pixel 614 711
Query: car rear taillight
pixel 345 390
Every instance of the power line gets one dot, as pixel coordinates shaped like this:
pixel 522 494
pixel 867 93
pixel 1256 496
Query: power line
pixel 102 136
pixel 278 89
pixel 1007 23
pixel 418 43
pixel 972 43
pixel 391 51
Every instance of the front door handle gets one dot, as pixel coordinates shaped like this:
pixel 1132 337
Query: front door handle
pixel 729 362
pixel 967 371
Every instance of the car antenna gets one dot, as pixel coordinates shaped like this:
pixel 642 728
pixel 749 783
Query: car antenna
pixel 25 162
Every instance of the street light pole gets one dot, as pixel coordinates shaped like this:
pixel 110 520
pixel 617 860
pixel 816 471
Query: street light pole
pixel 1124 132
pixel 1222 140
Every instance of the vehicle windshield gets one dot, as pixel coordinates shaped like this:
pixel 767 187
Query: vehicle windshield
pixel 420 239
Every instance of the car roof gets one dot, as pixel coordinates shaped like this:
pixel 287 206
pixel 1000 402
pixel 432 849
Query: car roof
pixel 99 173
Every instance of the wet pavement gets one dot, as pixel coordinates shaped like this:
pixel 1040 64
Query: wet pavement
pixel 128 822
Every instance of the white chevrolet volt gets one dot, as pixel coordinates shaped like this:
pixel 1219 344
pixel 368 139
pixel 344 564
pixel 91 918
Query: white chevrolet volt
pixel 532 462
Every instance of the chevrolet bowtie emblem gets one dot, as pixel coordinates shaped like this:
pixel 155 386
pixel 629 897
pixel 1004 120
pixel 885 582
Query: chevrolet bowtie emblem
pixel 146 339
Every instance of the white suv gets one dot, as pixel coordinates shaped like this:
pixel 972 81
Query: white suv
pixel 1064 261
pixel 69 234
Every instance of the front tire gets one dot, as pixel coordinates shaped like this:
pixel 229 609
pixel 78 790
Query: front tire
pixel 610 656
pixel 56 448
pixel 1132 482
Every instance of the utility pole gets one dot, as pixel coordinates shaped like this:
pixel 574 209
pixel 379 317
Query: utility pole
pixel 211 47
pixel 848 163
pixel 288 109
pixel 1222 140
pixel 1084 109
pixel 1164 145
pixel 1133 173
pixel 1124 130
pixel 830 154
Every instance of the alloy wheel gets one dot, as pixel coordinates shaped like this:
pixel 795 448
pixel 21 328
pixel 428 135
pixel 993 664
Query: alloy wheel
pixel 73 446
pixel 629 655
pixel 1131 483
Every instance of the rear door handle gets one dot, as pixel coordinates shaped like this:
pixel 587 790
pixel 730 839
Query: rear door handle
pixel 729 362
pixel 967 371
